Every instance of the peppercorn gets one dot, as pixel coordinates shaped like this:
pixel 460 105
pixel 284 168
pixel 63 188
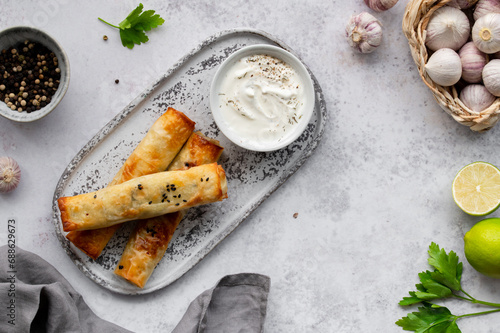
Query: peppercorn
pixel 22 69
pixel 117 81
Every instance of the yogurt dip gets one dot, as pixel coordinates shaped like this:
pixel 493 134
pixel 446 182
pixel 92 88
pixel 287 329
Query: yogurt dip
pixel 262 99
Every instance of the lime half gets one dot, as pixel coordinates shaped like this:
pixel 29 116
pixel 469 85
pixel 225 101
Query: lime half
pixel 476 188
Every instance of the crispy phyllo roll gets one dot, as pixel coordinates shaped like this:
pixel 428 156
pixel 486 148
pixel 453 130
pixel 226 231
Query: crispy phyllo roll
pixel 154 153
pixel 144 197
pixel 149 240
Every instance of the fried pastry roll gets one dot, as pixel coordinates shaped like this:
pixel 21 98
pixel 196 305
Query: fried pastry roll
pixel 149 240
pixel 153 154
pixel 144 197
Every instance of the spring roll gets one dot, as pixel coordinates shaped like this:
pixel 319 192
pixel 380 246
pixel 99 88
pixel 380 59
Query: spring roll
pixel 149 240
pixel 144 197
pixel 146 246
pixel 154 153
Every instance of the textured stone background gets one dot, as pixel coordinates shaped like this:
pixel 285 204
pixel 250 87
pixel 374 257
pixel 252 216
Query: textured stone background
pixel 369 201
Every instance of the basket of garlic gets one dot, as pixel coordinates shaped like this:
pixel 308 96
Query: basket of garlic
pixel 456 47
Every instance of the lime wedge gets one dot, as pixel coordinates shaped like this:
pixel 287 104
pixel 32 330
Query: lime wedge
pixel 476 188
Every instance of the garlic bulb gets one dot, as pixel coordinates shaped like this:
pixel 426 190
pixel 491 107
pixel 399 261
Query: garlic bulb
pixel 10 174
pixel 473 62
pixel 364 32
pixel 491 76
pixel 484 7
pixel 381 5
pixel 476 97
pixel 444 67
pixel 486 33
pixel 448 28
pixel 462 4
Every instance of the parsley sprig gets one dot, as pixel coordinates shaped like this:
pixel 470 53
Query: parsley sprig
pixel 133 27
pixel 442 282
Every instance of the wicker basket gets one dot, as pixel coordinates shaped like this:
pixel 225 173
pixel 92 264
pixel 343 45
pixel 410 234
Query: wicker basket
pixel 415 20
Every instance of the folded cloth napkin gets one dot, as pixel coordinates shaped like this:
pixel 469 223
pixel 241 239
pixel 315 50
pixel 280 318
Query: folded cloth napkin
pixel 35 297
pixel 237 304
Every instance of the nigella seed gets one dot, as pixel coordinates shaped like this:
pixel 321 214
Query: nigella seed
pixel 175 196
pixel 179 195
pixel 207 179
pixel 168 200
pixel 140 187
pixel 150 202
pixel 95 196
pixel 201 179
pixel 120 267
pixel 177 204
pixel 184 200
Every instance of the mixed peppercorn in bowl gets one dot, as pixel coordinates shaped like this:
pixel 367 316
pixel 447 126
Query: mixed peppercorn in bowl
pixel 34 73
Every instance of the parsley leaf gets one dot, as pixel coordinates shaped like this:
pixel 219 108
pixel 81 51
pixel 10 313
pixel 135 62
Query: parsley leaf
pixel 427 290
pixel 133 27
pixel 443 282
pixel 448 269
pixel 130 37
pixel 127 22
pixel 430 319
pixel 431 289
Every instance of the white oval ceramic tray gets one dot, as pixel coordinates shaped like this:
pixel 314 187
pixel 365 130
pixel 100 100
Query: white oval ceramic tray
pixel 252 176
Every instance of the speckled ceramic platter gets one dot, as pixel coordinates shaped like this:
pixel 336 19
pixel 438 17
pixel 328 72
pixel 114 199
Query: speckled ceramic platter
pixel 252 176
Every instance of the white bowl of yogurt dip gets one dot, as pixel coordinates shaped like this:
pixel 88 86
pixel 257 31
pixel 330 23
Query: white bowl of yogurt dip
pixel 262 98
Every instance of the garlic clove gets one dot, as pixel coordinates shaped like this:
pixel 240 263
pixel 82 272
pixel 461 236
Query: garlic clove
pixel 380 5
pixel 448 27
pixel 473 62
pixel 476 97
pixel 444 67
pixel 10 174
pixel 462 4
pixel 484 7
pixel 491 77
pixel 364 32
pixel 486 33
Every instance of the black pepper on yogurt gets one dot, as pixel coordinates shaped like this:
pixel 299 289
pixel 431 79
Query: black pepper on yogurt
pixel 29 76
pixel 262 98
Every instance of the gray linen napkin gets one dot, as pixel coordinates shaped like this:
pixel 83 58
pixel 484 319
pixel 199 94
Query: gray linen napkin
pixel 237 304
pixel 35 297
